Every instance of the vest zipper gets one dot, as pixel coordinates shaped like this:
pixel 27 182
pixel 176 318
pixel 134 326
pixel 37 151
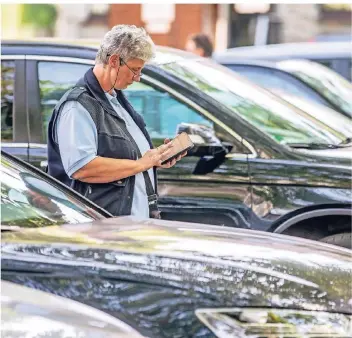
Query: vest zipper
pixel 88 191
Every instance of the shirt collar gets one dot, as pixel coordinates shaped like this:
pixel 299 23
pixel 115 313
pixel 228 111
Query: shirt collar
pixel 111 97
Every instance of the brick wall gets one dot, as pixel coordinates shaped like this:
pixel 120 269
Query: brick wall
pixel 188 19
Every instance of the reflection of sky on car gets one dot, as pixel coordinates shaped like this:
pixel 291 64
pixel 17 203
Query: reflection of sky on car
pixel 258 106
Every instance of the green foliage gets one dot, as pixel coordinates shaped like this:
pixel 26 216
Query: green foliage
pixel 39 15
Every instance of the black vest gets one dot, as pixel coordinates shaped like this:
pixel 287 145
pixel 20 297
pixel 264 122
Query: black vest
pixel 114 141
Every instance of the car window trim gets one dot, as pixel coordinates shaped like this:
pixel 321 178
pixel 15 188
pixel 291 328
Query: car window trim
pixel 14 145
pixel 34 111
pixel 174 93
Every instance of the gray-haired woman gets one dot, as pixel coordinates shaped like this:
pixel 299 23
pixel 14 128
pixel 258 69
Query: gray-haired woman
pixel 97 143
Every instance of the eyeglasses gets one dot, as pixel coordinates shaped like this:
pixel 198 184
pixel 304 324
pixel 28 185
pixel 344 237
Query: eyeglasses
pixel 135 75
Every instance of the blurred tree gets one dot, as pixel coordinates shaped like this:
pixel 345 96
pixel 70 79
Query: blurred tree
pixel 41 16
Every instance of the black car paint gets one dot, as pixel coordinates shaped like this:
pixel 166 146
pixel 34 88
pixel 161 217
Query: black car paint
pixel 242 192
pixel 154 274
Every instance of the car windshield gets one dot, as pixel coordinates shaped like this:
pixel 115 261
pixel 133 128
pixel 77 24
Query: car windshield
pixel 282 121
pixel 324 80
pixel 29 200
pixel 320 112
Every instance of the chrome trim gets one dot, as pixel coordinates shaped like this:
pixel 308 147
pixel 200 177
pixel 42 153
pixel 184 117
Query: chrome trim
pixel 12 57
pixel 207 114
pixel 311 214
pixel 60 59
pixel 38 145
pixel 14 145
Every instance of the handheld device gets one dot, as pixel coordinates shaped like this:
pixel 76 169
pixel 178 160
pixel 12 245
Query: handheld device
pixel 181 143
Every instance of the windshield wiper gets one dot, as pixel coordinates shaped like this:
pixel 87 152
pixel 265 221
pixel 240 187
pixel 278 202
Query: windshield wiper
pixel 347 140
pixel 313 145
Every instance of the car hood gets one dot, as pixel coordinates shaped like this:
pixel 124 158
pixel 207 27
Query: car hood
pixel 234 265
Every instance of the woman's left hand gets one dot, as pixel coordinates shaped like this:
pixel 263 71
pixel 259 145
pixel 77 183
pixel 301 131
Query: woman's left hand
pixel 173 162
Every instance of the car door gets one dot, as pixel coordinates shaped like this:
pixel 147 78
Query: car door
pixel 14 134
pixel 48 79
pixel 186 193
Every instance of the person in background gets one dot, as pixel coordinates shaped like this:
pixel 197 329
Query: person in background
pixel 97 143
pixel 199 44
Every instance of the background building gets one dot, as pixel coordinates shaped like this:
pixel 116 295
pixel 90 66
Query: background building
pixel 229 25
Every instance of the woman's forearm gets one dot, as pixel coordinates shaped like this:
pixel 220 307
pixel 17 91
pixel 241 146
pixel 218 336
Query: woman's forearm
pixel 105 170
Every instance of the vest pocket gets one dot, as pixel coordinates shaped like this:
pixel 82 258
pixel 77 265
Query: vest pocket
pixel 114 146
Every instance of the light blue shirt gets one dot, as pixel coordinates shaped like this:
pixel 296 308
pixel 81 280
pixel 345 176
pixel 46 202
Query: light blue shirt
pixel 77 137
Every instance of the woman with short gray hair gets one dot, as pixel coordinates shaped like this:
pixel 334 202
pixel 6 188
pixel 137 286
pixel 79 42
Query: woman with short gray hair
pixel 97 143
pixel 130 42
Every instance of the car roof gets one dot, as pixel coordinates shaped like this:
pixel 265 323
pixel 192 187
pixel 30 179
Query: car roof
pixel 83 48
pixel 250 62
pixel 314 50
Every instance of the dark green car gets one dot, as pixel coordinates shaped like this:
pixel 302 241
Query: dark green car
pixel 259 162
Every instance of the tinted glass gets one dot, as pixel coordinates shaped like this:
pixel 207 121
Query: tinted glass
pixel 55 78
pixel 274 116
pixel 278 82
pixel 29 200
pixel 325 81
pixel 7 97
pixel 161 112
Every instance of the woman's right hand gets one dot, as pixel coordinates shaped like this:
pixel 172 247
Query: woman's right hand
pixel 153 157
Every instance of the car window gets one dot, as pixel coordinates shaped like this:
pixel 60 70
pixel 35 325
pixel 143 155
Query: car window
pixel 7 97
pixel 164 115
pixel 277 81
pixel 55 78
pixel 31 201
pixel 328 83
pixel 264 110
pixel 161 112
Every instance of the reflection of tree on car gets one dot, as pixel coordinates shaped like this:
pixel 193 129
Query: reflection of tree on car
pixel 28 200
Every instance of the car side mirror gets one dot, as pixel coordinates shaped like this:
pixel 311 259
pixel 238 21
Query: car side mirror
pixel 207 146
pixel 205 141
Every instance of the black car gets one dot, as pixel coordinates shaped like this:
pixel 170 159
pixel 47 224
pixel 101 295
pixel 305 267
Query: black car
pixel 301 78
pixel 162 278
pixel 334 55
pixel 260 159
